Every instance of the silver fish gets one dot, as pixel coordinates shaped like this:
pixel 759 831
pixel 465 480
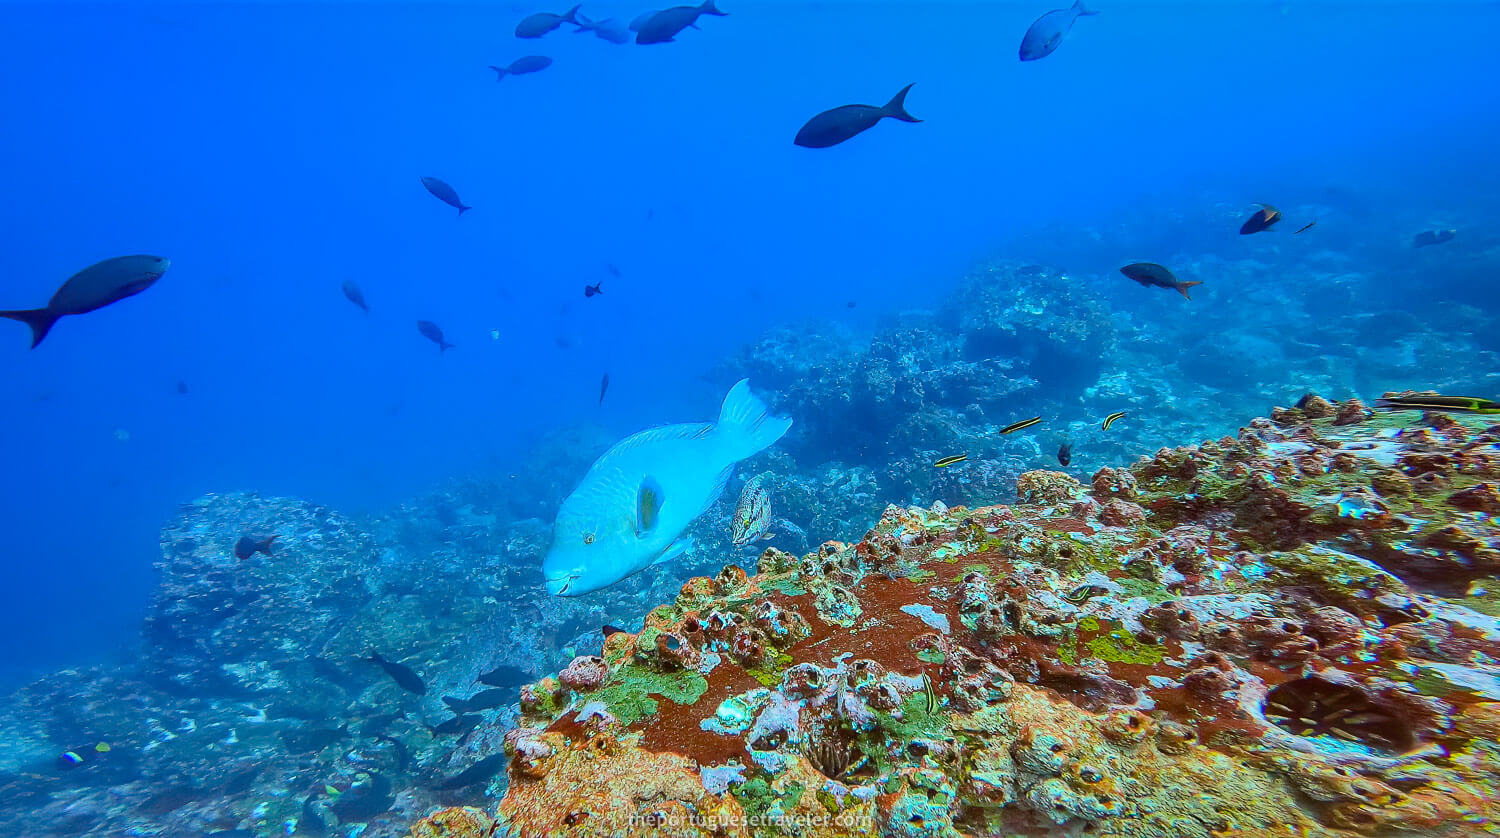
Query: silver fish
pixel 752 516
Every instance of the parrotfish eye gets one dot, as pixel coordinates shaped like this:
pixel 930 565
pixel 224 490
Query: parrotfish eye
pixel 588 538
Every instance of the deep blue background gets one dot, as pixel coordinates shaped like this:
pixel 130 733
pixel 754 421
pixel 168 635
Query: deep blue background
pixel 273 151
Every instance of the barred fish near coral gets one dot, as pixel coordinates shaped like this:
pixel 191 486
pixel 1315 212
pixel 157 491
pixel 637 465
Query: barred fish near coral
pixel 752 515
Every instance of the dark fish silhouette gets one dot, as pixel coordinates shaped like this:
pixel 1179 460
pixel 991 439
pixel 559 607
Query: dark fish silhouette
pixel 434 333
pixel 1151 275
pixel 353 294
pixel 609 630
pixel 403 675
pixel 182 388
pixel 1262 220
pixel 523 65
pixel 506 676
pixel 1047 32
pixel 832 127
pixel 603 387
pixel 663 26
pixel 249 545
pixel 482 700
pixel 456 726
pixel 445 193
pixel 591 290
pixel 403 754
pixel 1456 404
pixel 367 797
pixel 476 773
pixel 1426 238
pixel 316 739
pixel 1305 227
pixel 1065 454
pixel 610 30
pixel 539 24
pixel 91 289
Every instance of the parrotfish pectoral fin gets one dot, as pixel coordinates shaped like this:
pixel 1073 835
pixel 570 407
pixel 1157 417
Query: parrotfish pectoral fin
pixel 648 500
pixel 675 549
pixel 39 319
pixel 896 108
pixel 745 424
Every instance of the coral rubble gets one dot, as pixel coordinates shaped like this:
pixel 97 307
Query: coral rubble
pixel 1288 632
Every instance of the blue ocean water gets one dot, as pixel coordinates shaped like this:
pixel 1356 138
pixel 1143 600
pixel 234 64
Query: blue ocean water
pixel 273 151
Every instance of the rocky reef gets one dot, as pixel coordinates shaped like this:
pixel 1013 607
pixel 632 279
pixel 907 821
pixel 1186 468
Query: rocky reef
pixel 1288 632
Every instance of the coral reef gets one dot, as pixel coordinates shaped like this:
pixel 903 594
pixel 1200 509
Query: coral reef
pixel 1287 632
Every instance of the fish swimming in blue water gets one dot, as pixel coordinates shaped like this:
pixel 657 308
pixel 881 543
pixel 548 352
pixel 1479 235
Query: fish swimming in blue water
pixel 1263 219
pixel 834 126
pixel 1047 33
pixel 663 26
pixel 609 29
pixel 1426 238
pixel 539 24
pixel 445 193
pixel 434 333
pixel 632 506
pixel 1153 275
pixel 91 289
pixel 354 294
pixel 249 545
pixel 591 290
pixel 402 674
pixel 523 65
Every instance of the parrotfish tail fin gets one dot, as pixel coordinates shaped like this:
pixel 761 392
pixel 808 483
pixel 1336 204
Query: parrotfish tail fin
pixel 39 319
pixel 572 15
pixel 462 210
pixel 499 74
pixel 708 8
pixel 1080 9
pixel 445 345
pixel 746 425
pixel 584 24
pixel 896 108
pixel 375 657
pixel 1182 287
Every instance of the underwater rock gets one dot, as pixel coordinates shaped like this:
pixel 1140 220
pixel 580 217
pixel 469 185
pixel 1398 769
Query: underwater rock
pixel 1258 647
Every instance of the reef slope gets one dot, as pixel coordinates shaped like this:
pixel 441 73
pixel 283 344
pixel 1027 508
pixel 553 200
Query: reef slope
pixel 1283 633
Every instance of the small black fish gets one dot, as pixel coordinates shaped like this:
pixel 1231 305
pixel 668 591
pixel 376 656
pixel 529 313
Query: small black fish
pixel 476 773
pixel 850 304
pixel 482 700
pixel 609 630
pixel 1065 454
pixel 456 726
pixel 445 193
pixel 1021 425
pixel 249 545
pixel 404 677
pixel 91 289
pixel 591 290
pixel 1306 227
pixel 539 24
pixel 523 65
pixel 663 26
pixel 1152 275
pixel 832 127
pixel 506 676
pixel 353 294
pixel 1456 404
pixel 302 740
pixel 603 388
pixel 1261 221
pixel 403 754
pixel 950 460
pixel 1426 238
pixel 182 388
pixel 434 333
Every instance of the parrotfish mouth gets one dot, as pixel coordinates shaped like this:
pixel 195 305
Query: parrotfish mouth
pixel 559 586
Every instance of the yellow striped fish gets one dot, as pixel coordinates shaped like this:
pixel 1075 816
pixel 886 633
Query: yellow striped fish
pixel 1458 404
pixel 1113 418
pixel 1021 425
pixel 950 460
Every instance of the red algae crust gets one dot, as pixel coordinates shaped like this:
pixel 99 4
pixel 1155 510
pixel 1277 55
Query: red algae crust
pixel 1289 632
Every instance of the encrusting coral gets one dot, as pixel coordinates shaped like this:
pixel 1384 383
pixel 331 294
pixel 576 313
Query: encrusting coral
pixel 1284 633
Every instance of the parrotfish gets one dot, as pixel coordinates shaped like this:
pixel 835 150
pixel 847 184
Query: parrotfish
pixel 91 289
pixel 434 333
pixel 632 506
pixel 482 700
pixel 1152 275
pixel 402 674
pixel 832 127
pixel 353 294
pixel 523 65
pixel 1064 454
pixel 249 545
pixel 1426 238
pixel 591 290
pixel 752 516
pixel 445 193
pixel 539 24
pixel 1048 31
pixel 476 773
pixel 610 30
pixel 506 676
pixel 664 25
pixel 1262 220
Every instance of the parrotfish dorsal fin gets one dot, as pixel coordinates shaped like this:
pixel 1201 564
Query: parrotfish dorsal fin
pixel 648 500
